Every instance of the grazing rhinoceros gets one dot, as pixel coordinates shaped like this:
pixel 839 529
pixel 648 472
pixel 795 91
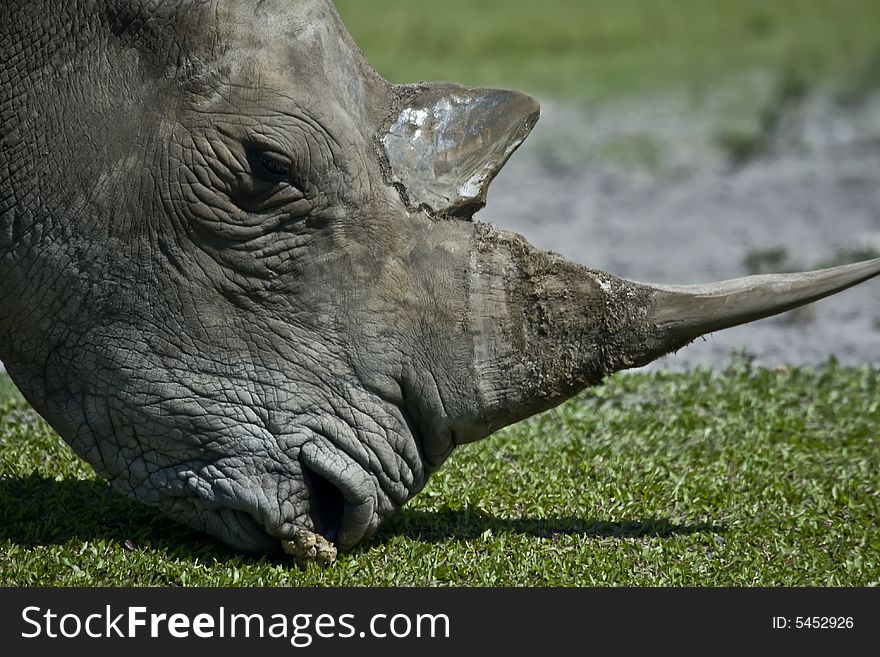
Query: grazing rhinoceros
pixel 238 271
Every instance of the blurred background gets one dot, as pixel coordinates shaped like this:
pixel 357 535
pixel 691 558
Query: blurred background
pixel 681 141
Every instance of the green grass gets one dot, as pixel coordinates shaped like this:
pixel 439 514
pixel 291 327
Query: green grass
pixel 598 48
pixel 748 477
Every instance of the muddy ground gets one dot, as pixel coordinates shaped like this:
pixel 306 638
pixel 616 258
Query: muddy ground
pixel 684 191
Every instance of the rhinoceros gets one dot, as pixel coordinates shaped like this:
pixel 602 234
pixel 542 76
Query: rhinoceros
pixel 240 274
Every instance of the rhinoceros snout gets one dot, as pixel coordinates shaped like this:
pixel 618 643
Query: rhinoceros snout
pixel 342 496
pixel 310 500
pixel 327 518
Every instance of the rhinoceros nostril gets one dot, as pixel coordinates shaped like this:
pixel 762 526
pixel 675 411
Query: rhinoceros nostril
pixel 326 504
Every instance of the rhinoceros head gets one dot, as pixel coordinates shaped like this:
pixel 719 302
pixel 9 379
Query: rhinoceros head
pixel 239 275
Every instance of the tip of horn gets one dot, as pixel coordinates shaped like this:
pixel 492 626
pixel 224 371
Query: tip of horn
pixel 684 313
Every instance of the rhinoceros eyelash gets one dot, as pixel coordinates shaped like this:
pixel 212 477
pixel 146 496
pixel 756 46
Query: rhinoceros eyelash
pixel 272 167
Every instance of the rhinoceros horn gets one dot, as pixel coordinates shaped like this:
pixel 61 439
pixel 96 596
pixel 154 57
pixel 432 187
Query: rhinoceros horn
pixel 447 143
pixel 545 328
pixel 684 313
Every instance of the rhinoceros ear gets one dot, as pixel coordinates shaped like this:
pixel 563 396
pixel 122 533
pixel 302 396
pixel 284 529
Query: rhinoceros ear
pixel 446 143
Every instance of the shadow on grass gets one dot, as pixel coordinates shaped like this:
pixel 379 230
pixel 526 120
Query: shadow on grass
pixel 470 523
pixel 38 511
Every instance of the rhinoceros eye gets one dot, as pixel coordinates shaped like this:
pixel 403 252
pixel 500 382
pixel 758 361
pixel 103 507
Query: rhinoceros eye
pixel 270 166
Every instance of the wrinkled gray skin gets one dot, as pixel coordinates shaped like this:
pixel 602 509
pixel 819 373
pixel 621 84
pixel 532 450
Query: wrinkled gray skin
pixel 238 273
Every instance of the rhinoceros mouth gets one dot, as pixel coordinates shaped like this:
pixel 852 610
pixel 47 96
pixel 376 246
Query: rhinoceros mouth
pixel 342 496
pixel 326 504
